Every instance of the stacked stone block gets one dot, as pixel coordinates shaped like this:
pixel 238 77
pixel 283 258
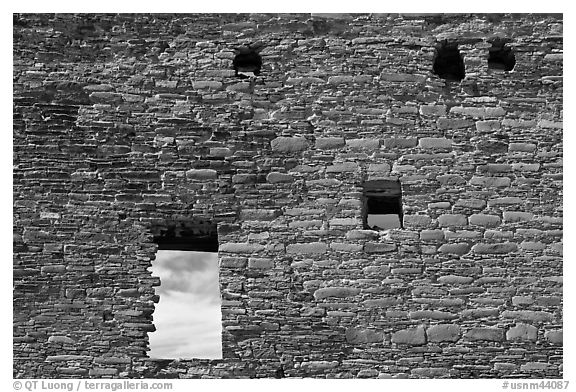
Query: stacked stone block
pixel 139 121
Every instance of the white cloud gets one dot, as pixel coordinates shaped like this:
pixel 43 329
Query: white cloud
pixel 188 317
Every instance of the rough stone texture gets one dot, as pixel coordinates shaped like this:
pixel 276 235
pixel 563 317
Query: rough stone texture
pixel 434 143
pixel 443 333
pixel 446 220
pixel 522 332
pixel 501 248
pixel 289 144
pixel 411 336
pixel 488 334
pixel 484 220
pixel 124 125
pixel 359 336
pixel 339 292
pixel 554 337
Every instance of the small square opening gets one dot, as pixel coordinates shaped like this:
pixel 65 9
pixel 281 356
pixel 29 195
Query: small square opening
pixel 382 205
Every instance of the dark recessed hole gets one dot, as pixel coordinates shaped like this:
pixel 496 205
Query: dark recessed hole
pixel 501 57
pixel 248 61
pixel 196 235
pixel 382 205
pixel 448 62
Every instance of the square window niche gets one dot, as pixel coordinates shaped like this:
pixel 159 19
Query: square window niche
pixel 188 316
pixel 382 205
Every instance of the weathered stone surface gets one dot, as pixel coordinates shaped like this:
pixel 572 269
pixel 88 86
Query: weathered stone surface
pixel 319 365
pixel 522 300
pixel 53 269
pixel 411 336
pixel 434 143
pixel 488 125
pixel 443 333
pixel 338 292
pixel 432 314
pixel 380 303
pixel 526 167
pixel 432 235
pixel 379 247
pixel 345 247
pixel 504 201
pixel 532 246
pixel 346 167
pixel 379 168
pixel 308 248
pixel 482 112
pixel 240 247
pixel 547 124
pixel 95 372
pixel 455 279
pixel 312 312
pixel 396 142
pixel 128 293
pixel 458 249
pixel 363 144
pixel 489 334
pixel 328 143
pixel 430 372
pixel 454 123
pixel 113 360
pixel 341 79
pixel 521 147
pixel 490 182
pixel 232 262
pixel 496 168
pixel 305 81
pixel 201 174
pixel 462 235
pixel 276 177
pixel 528 315
pixel 289 144
pixel 535 367
pixel 501 248
pixel 446 220
pixel 484 220
pixel 517 216
pixel 206 84
pixel 68 357
pixel 259 214
pixel 417 221
pixel 440 205
pixel 481 313
pixel 260 263
pixel 505 366
pixel 402 77
pixel 361 234
pixel 61 339
pixel 363 335
pixel 554 337
pixel 433 110
pixel 522 332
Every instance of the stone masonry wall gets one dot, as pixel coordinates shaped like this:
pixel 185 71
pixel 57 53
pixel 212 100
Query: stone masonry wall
pixel 125 123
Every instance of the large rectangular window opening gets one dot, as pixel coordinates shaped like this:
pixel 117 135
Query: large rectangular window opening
pixel 382 205
pixel 188 316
